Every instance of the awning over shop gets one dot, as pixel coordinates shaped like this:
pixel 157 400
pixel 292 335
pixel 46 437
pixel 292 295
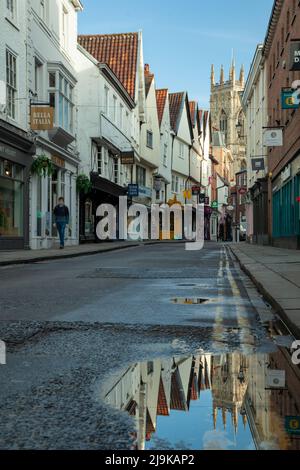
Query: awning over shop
pixel 106 186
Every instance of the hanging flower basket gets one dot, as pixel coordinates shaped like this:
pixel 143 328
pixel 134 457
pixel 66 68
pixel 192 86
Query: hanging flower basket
pixel 42 166
pixel 83 184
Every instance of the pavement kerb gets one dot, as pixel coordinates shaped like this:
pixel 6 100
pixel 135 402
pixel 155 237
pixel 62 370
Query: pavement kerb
pixel 65 255
pixel 269 298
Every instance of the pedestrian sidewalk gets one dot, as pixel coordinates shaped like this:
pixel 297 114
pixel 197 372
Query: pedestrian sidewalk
pixel 276 273
pixel 32 256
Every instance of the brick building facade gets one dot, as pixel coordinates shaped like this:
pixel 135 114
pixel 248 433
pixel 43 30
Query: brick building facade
pixel 284 161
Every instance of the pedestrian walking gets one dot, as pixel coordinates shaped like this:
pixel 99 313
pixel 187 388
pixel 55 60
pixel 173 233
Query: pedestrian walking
pixel 61 220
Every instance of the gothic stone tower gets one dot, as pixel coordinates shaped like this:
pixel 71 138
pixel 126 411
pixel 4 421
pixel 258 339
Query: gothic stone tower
pixel 227 114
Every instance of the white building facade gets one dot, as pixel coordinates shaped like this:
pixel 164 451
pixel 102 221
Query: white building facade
pixel 16 143
pixel 256 110
pixel 163 176
pixel 105 133
pixel 149 144
pixel 182 142
pixel 51 53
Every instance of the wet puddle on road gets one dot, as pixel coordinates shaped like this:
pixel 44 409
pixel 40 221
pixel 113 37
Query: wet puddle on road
pixel 189 301
pixel 227 401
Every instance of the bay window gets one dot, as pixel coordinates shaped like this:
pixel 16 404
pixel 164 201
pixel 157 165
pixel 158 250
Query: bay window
pixel 61 99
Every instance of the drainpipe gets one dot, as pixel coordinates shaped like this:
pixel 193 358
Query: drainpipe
pixel 172 155
pixel 189 177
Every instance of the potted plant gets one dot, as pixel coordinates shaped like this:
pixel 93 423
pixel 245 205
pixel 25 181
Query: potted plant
pixel 42 166
pixel 83 184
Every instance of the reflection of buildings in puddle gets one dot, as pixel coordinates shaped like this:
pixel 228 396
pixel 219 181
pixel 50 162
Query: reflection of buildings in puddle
pixel 237 385
pixel 267 409
pixel 230 381
pixel 154 388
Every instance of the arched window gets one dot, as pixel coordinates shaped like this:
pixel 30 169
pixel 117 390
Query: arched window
pixel 223 124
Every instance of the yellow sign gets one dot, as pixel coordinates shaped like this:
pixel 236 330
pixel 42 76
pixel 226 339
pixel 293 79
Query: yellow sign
pixel 58 161
pixel 187 194
pixel 41 118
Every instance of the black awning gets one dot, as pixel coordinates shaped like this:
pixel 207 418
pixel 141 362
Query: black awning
pixel 106 186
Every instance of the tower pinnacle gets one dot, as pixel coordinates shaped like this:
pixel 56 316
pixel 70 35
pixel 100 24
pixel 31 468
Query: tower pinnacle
pixel 222 75
pixel 242 75
pixel 212 76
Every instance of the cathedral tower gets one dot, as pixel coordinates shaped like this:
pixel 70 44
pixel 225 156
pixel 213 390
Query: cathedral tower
pixel 227 114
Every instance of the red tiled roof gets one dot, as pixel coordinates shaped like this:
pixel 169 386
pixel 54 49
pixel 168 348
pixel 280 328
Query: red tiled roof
pixel 161 99
pixel 118 51
pixel 177 400
pixel 200 112
pixel 194 391
pixel 162 404
pixel 205 117
pixel 150 429
pixel 193 106
pixel 176 102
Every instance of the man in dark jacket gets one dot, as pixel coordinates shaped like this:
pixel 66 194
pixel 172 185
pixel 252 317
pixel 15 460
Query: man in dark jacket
pixel 61 220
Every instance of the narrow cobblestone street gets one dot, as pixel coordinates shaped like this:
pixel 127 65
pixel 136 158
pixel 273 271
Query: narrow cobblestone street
pixel 86 322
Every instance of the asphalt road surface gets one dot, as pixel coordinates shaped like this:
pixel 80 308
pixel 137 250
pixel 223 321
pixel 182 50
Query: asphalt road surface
pixel 72 327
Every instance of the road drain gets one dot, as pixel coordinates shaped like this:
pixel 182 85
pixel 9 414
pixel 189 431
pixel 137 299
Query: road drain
pixel 189 301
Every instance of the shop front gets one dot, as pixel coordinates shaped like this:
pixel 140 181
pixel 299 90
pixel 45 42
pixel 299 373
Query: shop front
pixel 16 152
pixel 286 207
pixel 45 192
pixel 259 213
pixel 103 192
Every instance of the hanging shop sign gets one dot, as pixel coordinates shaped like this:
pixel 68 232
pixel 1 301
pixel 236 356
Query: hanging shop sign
pixel 273 137
pixel 127 158
pixel 258 164
pixel 157 184
pixel 187 194
pixel 275 378
pixel 202 198
pixel 292 425
pixel 41 118
pixel 133 190
pixel 196 190
pixel 242 191
pixel 295 55
pixel 289 99
pixel 215 205
pixel 58 161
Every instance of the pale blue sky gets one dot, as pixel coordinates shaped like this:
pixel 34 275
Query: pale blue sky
pixel 182 38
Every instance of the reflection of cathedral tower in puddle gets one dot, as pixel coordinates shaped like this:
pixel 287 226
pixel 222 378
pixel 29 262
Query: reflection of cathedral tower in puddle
pixel 229 385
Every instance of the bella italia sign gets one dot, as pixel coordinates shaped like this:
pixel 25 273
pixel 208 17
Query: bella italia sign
pixel 41 118
pixel 295 55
